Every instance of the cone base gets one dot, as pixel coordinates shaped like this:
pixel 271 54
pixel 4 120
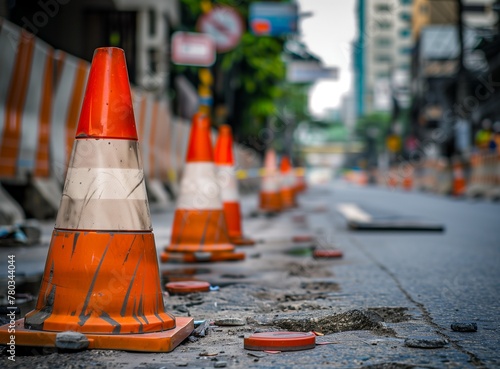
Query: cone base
pixel 200 257
pixel 194 248
pixel 164 341
pixel 288 198
pixel 241 241
pixel 270 201
pixel 199 231
pixel 327 254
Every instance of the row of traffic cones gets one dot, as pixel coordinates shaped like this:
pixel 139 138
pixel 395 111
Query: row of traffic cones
pixel 101 280
pixel 207 220
pixel 279 189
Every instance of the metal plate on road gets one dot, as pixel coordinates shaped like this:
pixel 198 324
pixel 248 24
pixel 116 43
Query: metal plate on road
pixel 395 225
pixel 360 220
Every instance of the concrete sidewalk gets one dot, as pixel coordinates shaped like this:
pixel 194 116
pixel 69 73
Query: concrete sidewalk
pixel 361 310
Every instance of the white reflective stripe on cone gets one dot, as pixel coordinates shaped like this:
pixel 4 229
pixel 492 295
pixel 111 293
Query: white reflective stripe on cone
pixel 226 178
pixel 288 180
pixel 199 189
pixel 104 188
pixel 270 183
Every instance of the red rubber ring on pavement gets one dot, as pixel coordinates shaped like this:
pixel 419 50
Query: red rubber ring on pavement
pixel 303 238
pixel 327 254
pixel 187 287
pixel 280 341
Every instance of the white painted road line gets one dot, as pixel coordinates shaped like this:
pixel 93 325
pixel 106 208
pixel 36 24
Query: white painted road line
pixel 353 212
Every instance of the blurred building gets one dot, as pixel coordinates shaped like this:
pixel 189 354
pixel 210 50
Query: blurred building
pixel 451 87
pixel 141 27
pixel 383 49
pixel 348 111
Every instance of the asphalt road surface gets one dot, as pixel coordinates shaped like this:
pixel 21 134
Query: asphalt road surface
pixel 390 286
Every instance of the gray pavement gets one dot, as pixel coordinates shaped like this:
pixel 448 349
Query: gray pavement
pixel 388 287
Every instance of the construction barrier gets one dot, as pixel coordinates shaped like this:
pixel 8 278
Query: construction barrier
pixel 41 93
pixel 474 177
pixel 485 175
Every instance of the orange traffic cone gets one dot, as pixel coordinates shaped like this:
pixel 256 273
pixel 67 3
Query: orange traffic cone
pixel 101 275
pixel 459 185
pixel 301 180
pixel 224 160
pixel 407 181
pixel 288 184
pixel 270 197
pixel 199 231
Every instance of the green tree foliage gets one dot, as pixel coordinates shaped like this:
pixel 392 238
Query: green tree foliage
pixel 377 124
pixel 256 67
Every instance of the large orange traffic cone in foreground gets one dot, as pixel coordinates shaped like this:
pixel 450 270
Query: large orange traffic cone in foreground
pixel 224 160
pixel 199 231
pixel 101 275
pixel 270 197
pixel 288 184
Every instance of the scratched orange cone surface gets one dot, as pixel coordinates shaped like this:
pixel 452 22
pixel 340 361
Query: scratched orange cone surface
pixel 270 197
pixel 101 275
pixel 224 161
pixel 288 184
pixel 199 231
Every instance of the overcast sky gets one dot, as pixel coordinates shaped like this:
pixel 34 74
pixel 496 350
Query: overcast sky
pixel 329 34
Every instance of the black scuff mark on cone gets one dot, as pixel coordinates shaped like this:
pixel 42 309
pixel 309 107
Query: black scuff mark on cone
pixel 220 225
pixel 183 224
pixel 117 326
pixel 84 317
pixel 203 235
pixel 37 320
pixel 129 249
pixel 75 241
pixel 134 315
pixel 127 294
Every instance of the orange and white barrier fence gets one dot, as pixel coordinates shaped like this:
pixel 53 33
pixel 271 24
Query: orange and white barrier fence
pixel 485 175
pixel 41 93
pixel 476 176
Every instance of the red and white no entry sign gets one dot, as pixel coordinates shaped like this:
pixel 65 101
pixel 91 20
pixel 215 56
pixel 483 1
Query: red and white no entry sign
pixel 225 26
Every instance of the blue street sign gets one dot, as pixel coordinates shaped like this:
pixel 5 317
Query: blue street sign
pixel 273 19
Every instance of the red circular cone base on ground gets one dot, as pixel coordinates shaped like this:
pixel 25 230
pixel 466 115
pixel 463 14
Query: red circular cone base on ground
pixel 302 238
pixel 107 110
pixel 188 287
pixel 280 341
pixel 327 254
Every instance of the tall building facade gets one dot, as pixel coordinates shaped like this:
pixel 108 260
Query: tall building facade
pixel 456 47
pixel 382 53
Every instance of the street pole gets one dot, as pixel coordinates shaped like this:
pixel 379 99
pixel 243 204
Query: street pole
pixel 205 76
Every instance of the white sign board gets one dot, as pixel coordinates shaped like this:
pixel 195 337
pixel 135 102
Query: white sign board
pixel 195 49
pixel 308 71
